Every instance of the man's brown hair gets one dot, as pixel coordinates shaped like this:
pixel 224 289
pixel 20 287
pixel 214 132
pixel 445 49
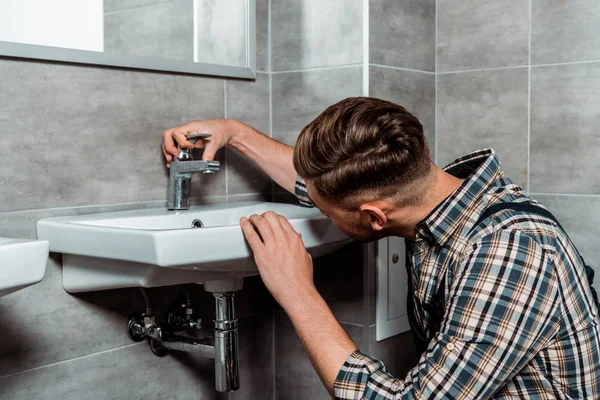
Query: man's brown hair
pixel 364 147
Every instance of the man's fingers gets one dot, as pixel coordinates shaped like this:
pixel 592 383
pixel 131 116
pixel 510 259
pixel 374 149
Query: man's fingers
pixel 168 157
pixel 263 227
pixel 274 221
pixel 286 224
pixel 210 149
pixel 250 234
pixel 180 137
pixel 169 142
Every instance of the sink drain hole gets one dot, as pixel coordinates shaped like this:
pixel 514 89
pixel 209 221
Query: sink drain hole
pixel 197 224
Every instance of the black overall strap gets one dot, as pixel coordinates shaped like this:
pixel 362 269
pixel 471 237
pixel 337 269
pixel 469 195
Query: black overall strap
pixel 436 309
pixel 519 207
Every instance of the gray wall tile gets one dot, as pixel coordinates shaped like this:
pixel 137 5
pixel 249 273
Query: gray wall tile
pixel 339 279
pixel 485 109
pixel 402 33
pixel 580 217
pixel 92 135
pixel 295 377
pixel 299 97
pixel 244 176
pixel 315 33
pixel 248 102
pixel 398 353
pixel 414 91
pixel 476 34
pixel 222 27
pixel 43 324
pixel 120 5
pixel 254 299
pixel 131 372
pixel 564 128
pixel 256 358
pixel 565 31
pixel 262 36
pixel 163 30
pixel 22 224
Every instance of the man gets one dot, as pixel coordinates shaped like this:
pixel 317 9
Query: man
pixel 518 317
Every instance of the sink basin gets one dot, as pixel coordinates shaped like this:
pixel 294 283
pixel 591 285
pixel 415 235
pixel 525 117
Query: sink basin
pixel 23 263
pixel 157 247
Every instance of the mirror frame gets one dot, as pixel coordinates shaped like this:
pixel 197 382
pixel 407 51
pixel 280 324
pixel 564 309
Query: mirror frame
pixel 21 50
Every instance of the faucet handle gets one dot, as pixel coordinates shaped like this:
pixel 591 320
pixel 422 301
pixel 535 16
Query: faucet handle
pixel 184 154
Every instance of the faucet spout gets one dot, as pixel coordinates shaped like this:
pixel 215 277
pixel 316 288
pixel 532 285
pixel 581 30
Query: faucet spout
pixel 180 177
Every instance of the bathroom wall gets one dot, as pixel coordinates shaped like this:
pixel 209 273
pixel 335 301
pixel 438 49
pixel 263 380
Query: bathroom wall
pixel 523 77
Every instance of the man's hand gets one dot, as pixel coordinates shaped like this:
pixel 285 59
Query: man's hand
pixel 222 131
pixel 287 271
pixel 273 157
pixel 284 264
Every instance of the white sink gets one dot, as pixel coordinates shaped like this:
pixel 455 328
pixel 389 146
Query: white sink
pixel 22 263
pixel 156 247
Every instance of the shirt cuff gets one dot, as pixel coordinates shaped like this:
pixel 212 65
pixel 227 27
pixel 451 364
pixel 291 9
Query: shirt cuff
pixel 352 380
pixel 302 193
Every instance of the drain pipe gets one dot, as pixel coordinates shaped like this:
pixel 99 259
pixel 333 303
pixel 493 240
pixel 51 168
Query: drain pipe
pixel 223 347
pixel 226 333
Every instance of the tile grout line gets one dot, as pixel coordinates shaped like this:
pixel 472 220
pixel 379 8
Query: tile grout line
pixel 270 67
pixel 435 95
pixel 567 63
pixel 366 49
pixel 481 70
pixel 269 50
pixel 270 105
pixel 528 178
pixel 316 69
pixel 71 360
pixel 403 69
pixel 517 66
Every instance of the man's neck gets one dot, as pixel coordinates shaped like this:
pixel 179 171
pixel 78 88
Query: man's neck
pixel 403 220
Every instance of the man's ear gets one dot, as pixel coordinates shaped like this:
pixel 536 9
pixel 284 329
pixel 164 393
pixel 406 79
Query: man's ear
pixel 373 214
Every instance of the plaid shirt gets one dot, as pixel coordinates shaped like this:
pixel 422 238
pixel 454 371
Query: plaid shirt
pixel 520 321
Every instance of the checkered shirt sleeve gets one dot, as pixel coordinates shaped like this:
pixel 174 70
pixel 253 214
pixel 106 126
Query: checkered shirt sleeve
pixel 502 309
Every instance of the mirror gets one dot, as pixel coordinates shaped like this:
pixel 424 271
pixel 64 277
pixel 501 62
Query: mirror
pixel 212 37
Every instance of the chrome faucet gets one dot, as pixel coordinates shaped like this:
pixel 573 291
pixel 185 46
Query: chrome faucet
pixel 180 176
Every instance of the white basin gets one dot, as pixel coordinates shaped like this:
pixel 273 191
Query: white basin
pixel 22 263
pixel 156 247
